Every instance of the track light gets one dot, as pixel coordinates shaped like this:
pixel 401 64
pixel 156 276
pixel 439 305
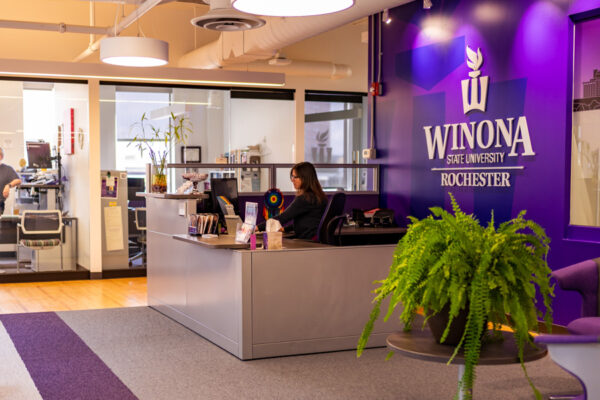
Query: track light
pixel 427 4
pixel 385 16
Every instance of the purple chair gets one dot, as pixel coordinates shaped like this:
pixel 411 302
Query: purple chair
pixel 580 356
pixel 584 278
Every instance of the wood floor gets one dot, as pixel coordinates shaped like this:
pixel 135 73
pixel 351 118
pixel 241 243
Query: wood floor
pixel 72 295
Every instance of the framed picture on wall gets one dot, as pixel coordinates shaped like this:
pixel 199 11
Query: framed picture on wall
pixel 585 141
pixel 191 154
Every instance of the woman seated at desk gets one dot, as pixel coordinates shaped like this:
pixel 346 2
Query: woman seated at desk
pixel 309 205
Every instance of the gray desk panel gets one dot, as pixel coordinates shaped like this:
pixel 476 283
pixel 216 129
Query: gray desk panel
pixel 315 295
pixel 213 288
pixel 166 270
pixel 162 215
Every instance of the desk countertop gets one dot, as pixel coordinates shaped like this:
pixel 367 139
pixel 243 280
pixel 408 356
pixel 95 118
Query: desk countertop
pixel 228 242
pixel 18 218
pixel 221 242
pixel 370 230
pixel 198 196
pixel 38 186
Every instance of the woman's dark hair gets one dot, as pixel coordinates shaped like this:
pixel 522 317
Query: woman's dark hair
pixel 310 185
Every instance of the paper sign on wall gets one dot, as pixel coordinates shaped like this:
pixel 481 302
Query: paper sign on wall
pixel 69 132
pixel 113 228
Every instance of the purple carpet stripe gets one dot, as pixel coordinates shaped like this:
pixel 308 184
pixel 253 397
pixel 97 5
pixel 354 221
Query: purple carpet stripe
pixel 59 362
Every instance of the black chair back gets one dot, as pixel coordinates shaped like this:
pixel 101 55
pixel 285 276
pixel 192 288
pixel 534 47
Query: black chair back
pixel 44 224
pixel 335 207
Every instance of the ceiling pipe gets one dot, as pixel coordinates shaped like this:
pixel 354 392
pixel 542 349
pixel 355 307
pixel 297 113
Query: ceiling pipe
pixel 53 27
pixel 120 27
pixel 117 1
pixel 315 69
pixel 279 32
pixel 92 21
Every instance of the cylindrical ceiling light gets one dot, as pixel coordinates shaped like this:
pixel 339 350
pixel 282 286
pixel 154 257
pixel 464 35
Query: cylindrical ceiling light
pixel 134 51
pixel 291 8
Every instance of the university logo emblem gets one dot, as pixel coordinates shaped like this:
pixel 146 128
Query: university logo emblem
pixel 476 98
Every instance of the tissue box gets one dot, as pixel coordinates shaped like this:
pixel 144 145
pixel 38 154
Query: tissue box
pixel 272 240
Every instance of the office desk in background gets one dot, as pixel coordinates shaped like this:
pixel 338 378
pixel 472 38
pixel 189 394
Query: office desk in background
pixel 46 196
pixel 357 235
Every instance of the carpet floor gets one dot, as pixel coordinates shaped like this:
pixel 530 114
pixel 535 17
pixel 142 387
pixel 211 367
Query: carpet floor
pixel 138 353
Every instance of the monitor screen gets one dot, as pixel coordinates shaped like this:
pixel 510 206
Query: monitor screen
pixel 134 186
pixel 38 155
pixel 226 187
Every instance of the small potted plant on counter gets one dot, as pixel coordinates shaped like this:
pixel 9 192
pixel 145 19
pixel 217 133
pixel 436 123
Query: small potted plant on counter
pixel 448 264
pixel 158 142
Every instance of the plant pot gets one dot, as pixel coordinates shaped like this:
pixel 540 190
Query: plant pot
pixel 159 183
pixel 437 325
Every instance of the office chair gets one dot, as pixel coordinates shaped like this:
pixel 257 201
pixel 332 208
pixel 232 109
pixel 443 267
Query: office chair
pixel 140 226
pixel 583 278
pixel 40 230
pixel 579 353
pixel 580 356
pixel 336 224
pixel 335 207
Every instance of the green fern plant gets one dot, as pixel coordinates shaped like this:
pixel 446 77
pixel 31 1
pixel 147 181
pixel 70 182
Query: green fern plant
pixel 450 259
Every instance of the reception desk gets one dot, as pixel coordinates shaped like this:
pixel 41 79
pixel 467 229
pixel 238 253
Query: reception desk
pixel 304 298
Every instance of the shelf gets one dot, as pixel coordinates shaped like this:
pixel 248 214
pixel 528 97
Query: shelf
pixel 199 196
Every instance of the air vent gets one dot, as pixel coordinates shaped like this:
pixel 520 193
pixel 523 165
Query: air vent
pixel 227 19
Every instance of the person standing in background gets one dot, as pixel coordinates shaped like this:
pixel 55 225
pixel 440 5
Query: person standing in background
pixel 8 180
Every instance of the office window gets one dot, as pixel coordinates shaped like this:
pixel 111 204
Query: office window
pixel 39 119
pixel 130 106
pixel 335 133
pixel 585 139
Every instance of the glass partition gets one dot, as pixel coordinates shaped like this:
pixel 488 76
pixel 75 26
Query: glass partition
pixel 258 178
pixel 250 179
pixel 54 115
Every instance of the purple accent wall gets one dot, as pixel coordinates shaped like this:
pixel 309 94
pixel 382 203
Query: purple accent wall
pixel 526 47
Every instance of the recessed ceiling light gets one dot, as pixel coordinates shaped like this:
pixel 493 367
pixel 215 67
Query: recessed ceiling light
pixel 291 8
pixel 134 51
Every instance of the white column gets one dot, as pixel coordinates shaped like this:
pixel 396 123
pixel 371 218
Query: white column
pixel 94 178
pixel 298 152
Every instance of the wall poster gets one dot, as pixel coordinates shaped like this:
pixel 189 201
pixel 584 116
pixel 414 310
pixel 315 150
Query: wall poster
pixel 585 137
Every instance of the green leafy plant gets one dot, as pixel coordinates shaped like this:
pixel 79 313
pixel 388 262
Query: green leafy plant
pixel 450 259
pixel 176 134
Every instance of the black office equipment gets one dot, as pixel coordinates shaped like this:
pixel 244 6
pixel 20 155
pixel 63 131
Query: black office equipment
pixel 226 187
pixel 135 185
pixel 383 217
pixel 38 155
pixel 358 216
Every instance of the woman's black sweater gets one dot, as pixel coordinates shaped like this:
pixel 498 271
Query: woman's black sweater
pixel 305 214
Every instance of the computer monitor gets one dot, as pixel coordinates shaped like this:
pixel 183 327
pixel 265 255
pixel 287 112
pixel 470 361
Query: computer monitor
pixel 38 155
pixel 226 187
pixel 135 185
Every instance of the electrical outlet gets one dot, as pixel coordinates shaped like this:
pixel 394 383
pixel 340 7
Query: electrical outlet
pixel 369 154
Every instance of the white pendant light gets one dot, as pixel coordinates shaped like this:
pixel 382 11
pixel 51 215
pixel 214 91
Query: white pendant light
pixel 291 8
pixel 134 51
